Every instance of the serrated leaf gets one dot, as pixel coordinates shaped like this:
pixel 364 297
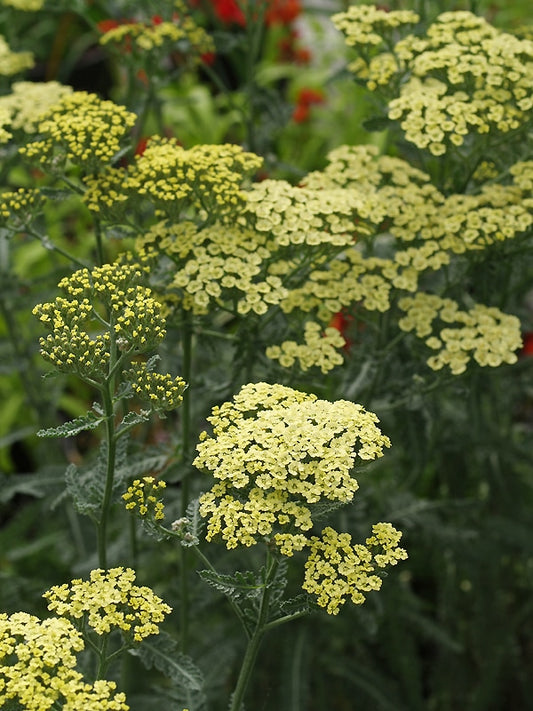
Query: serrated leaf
pixel 151 363
pixel 161 652
pixel 90 421
pixel 297 604
pixel 196 523
pixel 240 586
pixel 278 585
pixel 84 490
pixel 132 419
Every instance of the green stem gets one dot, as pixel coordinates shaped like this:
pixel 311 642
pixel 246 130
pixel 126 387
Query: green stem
pixel 110 471
pixel 99 243
pixel 255 640
pixel 185 482
pixel 108 389
pixel 102 659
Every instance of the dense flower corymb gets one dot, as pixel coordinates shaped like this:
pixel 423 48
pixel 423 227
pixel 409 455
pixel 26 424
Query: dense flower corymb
pixel 37 668
pixel 111 297
pixel 276 451
pixel 81 128
pixel 143 497
pixel 110 600
pixel 336 570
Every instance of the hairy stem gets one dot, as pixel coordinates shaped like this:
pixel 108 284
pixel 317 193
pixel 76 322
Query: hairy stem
pixel 256 638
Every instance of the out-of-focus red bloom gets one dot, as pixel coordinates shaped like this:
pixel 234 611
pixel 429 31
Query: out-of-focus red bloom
pixel 304 99
pixel 527 348
pixel 301 113
pixel 229 11
pixel 289 51
pixel 341 321
pixel 142 76
pixel 106 25
pixel 208 58
pixel 157 20
pixel 302 55
pixel 310 96
pixel 141 145
pixel 282 12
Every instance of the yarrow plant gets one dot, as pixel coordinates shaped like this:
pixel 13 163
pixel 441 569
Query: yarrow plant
pixel 373 297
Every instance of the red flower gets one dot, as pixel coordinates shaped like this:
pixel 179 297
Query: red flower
pixel 282 12
pixel 301 113
pixel 304 99
pixel 208 58
pixel 527 348
pixel 141 145
pixel 289 51
pixel 228 11
pixel 106 25
pixel 157 19
pixel 341 321
pixel 308 96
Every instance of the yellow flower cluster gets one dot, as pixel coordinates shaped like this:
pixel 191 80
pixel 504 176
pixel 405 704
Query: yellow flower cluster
pixel 466 77
pixel 368 26
pixel 142 497
pixel 20 206
pixel 205 177
pixel 28 101
pixel 302 215
pixel 25 5
pixel 342 282
pixel 371 31
pixel 336 570
pixel 80 338
pixel 5 118
pixel 161 390
pixel 319 350
pixel 13 62
pixel 276 451
pixel 361 168
pixel 218 265
pixel 437 227
pixel 37 660
pixel 482 333
pixel 143 37
pixel 81 128
pixel 110 600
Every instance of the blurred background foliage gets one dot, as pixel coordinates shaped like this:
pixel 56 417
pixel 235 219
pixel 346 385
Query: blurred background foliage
pixel 454 628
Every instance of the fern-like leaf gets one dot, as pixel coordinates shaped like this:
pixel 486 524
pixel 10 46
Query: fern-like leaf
pixel 161 652
pixel 89 421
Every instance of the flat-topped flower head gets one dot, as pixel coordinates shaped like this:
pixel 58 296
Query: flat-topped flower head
pixel 37 667
pixel 28 101
pixel 314 217
pixel 83 129
pixel 142 497
pixel 13 62
pixel 19 207
pixel 368 25
pixel 219 265
pixel 276 451
pixel 205 178
pixel 483 334
pixel 337 570
pixel 161 391
pixel 156 39
pixel 24 5
pixel 103 306
pixel 110 600
pixel 320 349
